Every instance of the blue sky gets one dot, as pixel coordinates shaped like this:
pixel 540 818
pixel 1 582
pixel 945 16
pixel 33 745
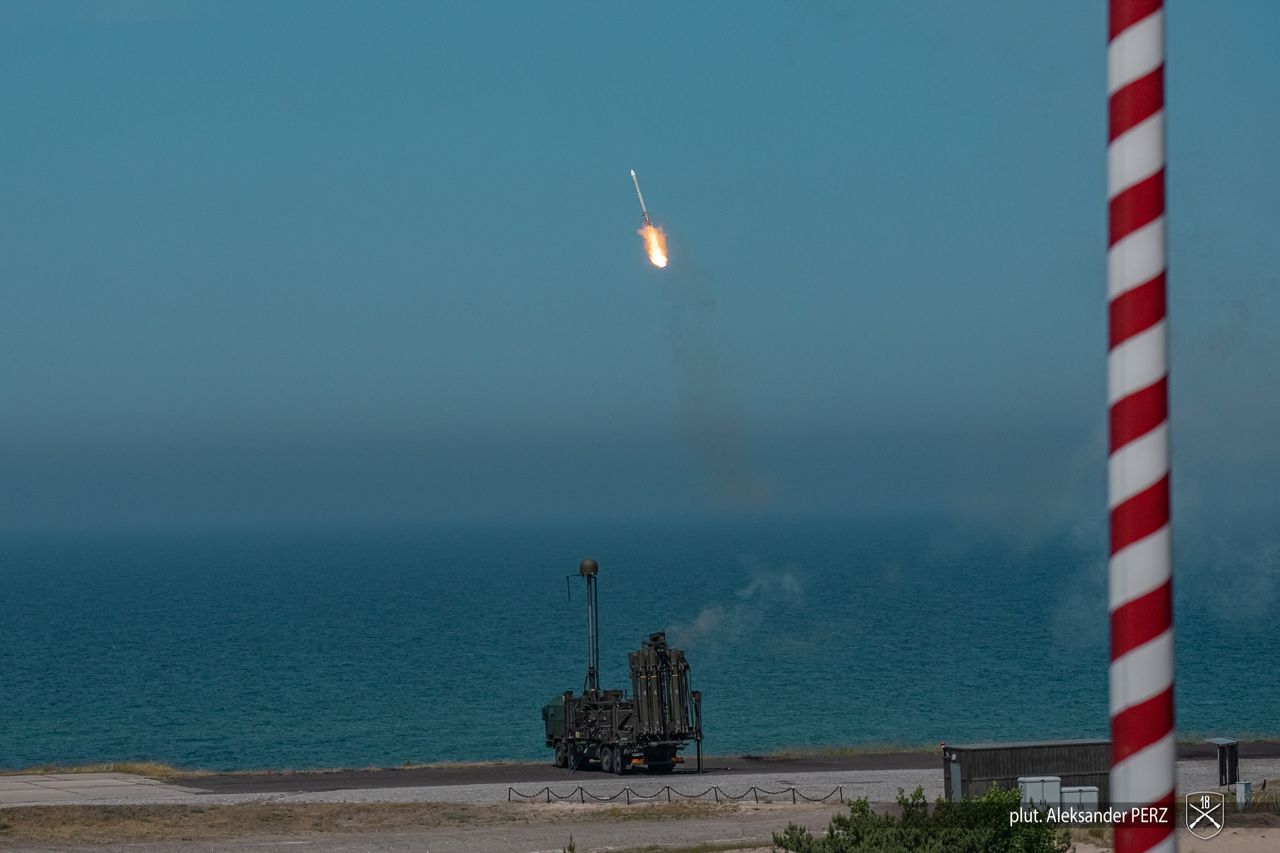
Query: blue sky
pixel 319 262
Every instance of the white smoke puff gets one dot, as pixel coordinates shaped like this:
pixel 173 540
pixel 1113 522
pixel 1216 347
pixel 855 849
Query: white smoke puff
pixel 728 622
pixel 771 583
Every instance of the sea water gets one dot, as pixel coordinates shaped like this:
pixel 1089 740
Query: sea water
pixel 300 649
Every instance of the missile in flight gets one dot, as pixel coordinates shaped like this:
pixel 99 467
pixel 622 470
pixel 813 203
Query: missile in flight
pixel 643 210
pixel 654 240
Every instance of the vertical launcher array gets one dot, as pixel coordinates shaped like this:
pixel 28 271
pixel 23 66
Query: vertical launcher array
pixel 660 687
pixel 620 732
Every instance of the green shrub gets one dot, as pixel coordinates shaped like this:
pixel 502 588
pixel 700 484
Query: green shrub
pixel 976 826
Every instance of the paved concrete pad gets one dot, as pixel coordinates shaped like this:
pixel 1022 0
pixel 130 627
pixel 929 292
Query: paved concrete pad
pixel 34 797
pixel 64 788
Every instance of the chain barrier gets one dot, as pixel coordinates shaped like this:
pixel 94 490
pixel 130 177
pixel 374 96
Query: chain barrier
pixel 628 793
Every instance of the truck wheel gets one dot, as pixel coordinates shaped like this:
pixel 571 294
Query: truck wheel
pixel 562 754
pixel 606 759
pixel 619 762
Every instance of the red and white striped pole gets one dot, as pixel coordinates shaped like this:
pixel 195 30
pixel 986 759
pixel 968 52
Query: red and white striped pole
pixel 1143 747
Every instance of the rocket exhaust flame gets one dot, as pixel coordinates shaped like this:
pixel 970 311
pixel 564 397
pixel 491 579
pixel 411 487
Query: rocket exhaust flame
pixel 655 241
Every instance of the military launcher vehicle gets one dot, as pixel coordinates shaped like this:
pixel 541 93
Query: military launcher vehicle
pixel 648 728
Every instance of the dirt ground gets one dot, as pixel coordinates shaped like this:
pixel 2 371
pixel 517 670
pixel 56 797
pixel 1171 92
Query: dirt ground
pixel 456 828
pixel 440 828
pixel 1245 840
pixel 104 824
pixel 1252 832
pixel 270 823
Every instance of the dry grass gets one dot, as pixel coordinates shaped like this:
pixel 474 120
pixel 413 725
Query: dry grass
pixel 1100 836
pixel 107 824
pixel 150 769
pixel 1264 809
pixel 1266 799
pixel 662 811
pixel 709 847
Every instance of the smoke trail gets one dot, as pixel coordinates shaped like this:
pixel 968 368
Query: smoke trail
pixel 727 622
pixel 711 422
